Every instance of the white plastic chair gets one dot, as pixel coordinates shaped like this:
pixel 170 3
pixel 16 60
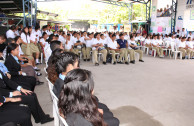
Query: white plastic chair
pixel 174 51
pixel 99 55
pixel 146 49
pixel 154 52
pixel 117 55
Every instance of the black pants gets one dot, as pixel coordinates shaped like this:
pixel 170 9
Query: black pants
pixel 9 124
pixel 26 82
pixel 16 114
pixel 34 106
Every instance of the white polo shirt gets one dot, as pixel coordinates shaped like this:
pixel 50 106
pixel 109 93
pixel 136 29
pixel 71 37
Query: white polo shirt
pixel 47 51
pixel 160 41
pixel 69 45
pixel 190 44
pixel 10 34
pixel 131 43
pixel 61 39
pixel 147 41
pixel 112 45
pixel 137 38
pixel 20 51
pixel 37 34
pixel 89 43
pixel 154 42
pixel 25 38
pixel 182 44
pixel 184 33
pixel 95 41
pixel 43 41
pixel 33 37
pixel 191 36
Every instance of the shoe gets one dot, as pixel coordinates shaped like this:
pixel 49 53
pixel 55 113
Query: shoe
pixel 38 74
pixel 183 58
pixel 39 83
pixel 96 64
pixel 114 63
pixel 104 63
pixel 84 59
pixel 47 119
pixel 161 56
pixel 120 62
pixel 141 61
pixel 126 63
pixel 37 63
pixel 133 62
pixel 88 59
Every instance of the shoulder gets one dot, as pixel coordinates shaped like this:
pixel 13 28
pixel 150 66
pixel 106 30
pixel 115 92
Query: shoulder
pixel 74 119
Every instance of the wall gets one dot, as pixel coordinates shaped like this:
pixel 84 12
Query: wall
pixel 185 14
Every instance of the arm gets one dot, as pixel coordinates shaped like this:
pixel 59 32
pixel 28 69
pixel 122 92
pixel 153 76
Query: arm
pixel 9 65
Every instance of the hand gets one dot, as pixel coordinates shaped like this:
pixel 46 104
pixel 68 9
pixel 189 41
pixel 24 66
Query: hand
pixel 15 99
pixel 8 75
pixel 26 92
pixel 20 72
pixel 16 93
pixel 101 111
pixel 1 104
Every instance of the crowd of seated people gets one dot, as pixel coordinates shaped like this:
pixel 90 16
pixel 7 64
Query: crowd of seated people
pixel 164 12
pixel 20 53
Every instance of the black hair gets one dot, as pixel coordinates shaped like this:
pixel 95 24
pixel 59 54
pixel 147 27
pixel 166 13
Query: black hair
pixel 16 38
pixel 37 27
pixel 55 44
pixel 177 36
pixel 24 31
pixel 55 55
pixel 114 35
pixel 96 34
pixel 8 41
pixel 101 35
pixel 11 47
pixel 50 38
pixel 57 36
pixel 76 97
pixel 68 35
pixel 65 59
pixel 2 36
pixel 120 34
pixel 43 34
pixel 13 27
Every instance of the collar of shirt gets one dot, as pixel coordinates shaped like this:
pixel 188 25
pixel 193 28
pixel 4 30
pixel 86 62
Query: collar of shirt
pixel 3 68
pixel 15 57
pixel 62 77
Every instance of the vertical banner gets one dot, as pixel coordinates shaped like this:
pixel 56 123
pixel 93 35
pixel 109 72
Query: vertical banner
pixel 192 14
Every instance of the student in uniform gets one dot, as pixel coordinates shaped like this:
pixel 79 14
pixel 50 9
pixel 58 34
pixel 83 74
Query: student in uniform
pixel 14 68
pixel 88 43
pixel 114 48
pixel 123 47
pixel 33 44
pixel 156 46
pixel 191 36
pixel 44 43
pixel 182 47
pixel 189 46
pixel 97 46
pixel 11 32
pixel 183 33
pixel 25 41
pixel 148 42
pixel 133 46
pixel 68 44
pixel 77 44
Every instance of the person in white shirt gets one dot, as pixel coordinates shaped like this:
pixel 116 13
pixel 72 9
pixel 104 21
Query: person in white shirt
pixel 48 30
pixel 17 31
pixel 43 42
pixel 148 42
pixel 97 46
pixel 183 33
pixel 25 42
pixel 87 45
pixel 137 38
pixel 114 48
pixel 61 38
pixel 182 47
pixel 37 33
pixel 133 46
pixel 189 46
pixel 33 44
pixel 105 40
pixel 191 36
pixel 117 35
pixel 178 33
pixel 156 46
pixel 160 41
pixel 68 44
pixel 11 32
pixel 78 44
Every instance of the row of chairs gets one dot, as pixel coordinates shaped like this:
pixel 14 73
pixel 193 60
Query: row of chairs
pixel 172 51
pixel 58 120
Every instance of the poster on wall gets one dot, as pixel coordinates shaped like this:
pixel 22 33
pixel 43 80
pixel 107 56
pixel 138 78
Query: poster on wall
pixel 192 14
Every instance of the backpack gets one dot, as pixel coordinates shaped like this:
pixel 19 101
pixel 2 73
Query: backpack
pixel 109 58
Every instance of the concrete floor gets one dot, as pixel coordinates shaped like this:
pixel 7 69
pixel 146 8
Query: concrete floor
pixel 159 92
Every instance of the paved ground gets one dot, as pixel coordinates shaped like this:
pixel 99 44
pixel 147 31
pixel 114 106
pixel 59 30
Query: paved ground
pixel 159 92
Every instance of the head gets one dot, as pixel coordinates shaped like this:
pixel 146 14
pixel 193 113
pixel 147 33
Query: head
pixel 56 44
pixel 44 35
pixel 78 36
pixel 121 36
pixel 102 36
pixel 18 40
pixel 113 37
pixel 37 28
pixel 56 54
pixel 67 62
pixel 183 29
pixel 97 36
pixel 132 38
pixel 29 29
pixel 13 27
pixel 189 39
pixel 76 96
pixel 183 39
pixel 190 33
pixel 51 38
pixel 10 40
pixel 25 30
pixel 2 39
pixel 13 49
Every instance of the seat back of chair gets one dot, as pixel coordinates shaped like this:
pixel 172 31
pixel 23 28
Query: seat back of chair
pixel 172 46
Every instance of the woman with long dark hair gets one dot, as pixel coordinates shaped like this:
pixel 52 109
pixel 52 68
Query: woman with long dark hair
pixel 25 41
pixel 76 100
pixel 14 68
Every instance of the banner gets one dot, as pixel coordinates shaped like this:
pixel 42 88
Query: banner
pixel 192 14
